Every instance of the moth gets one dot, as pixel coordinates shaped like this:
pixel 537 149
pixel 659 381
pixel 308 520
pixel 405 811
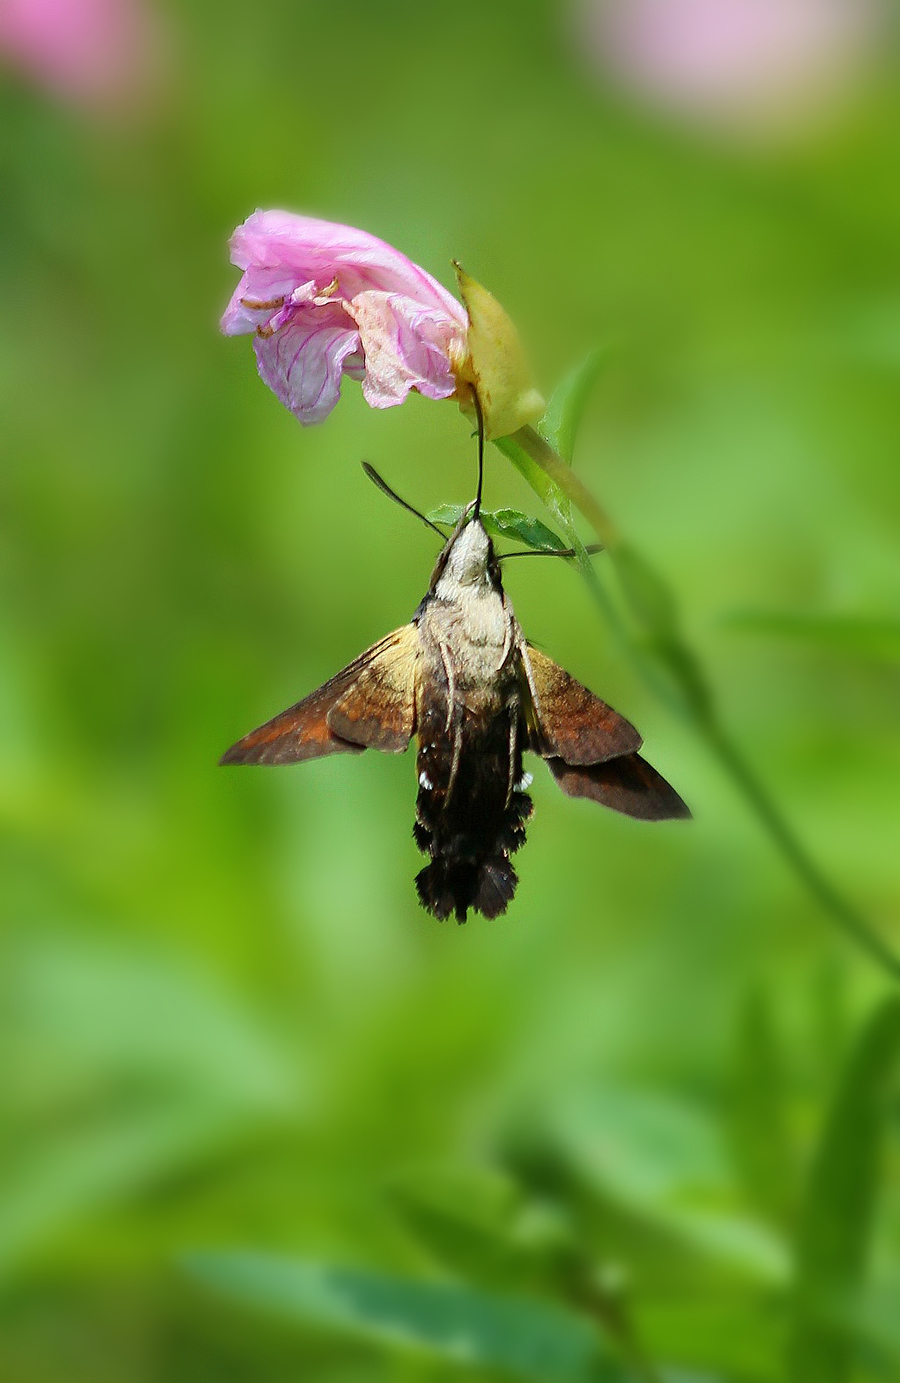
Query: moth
pixel 465 681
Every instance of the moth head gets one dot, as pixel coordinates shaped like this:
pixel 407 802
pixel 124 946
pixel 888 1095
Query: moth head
pixel 467 560
pixel 469 556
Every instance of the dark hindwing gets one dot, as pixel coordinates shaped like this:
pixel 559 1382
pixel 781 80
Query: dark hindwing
pixel 629 785
pixel 370 704
pixel 590 749
pixel 469 816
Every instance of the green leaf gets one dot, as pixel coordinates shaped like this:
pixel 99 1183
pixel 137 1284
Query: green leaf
pixel 876 1322
pixel 527 1338
pixel 547 491
pixel 836 1224
pixel 511 523
pixel 759 1130
pixel 86 1172
pixel 681 1376
pixel 89 1018
pixel 559 425
pixel 846 635
pixel 666 1162
pixel 479 1225
pixel 505 523
pixel 734 1335
pixel 465 1219
pixel 449 514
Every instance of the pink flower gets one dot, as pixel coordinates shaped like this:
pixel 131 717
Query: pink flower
pixel 326 300
pixel 85 51
pixel 738 62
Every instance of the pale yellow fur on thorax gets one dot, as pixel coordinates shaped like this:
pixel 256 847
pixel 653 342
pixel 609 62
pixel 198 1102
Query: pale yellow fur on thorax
pixel 476 632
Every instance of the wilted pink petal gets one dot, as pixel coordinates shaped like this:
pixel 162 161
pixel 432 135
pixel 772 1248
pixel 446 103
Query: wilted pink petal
pixel 302 361
pixel 406 346
pixel 734 61
pixel 326 299
pixel 87 51
pixel 309 248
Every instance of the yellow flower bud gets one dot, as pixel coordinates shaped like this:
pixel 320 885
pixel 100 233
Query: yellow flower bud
pixel 495 365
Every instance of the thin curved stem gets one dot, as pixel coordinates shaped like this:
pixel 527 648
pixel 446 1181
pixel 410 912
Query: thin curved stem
pixel 668 664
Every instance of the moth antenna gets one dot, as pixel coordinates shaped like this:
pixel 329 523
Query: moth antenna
pixel 381 484
pixel 480 416
pixel 549 552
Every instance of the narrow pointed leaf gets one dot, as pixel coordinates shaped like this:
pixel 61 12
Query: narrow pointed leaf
pixel 559 425
pixel 759 1126
pixel 836 1225
pixel 465 1220
pixel 527 1338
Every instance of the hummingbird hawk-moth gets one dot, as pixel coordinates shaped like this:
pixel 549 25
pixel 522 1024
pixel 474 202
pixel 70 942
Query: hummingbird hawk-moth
pixel 463 679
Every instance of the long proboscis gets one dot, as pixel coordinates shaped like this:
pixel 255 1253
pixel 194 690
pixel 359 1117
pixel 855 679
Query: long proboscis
pixel 476 513
pixel 381 484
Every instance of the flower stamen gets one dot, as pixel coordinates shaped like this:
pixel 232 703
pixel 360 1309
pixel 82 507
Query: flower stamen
pixel 256 305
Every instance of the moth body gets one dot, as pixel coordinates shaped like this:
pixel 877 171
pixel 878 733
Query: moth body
pixel 468 715
pixel 464 680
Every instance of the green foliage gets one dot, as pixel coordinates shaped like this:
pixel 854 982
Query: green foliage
pixel 665 1163
pixel 465 1219
pixel 565 411
pixel 843 636
pixel 759 1128
pixel 505 523
pixel 548 492
pixel 652 635
pixel 614 1119
pixel 525 1339
pixel 837 1223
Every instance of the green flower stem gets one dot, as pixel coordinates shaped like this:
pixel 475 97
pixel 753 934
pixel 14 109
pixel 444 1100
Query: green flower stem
pixel 828 897
pixel 572 487
pixel 670 667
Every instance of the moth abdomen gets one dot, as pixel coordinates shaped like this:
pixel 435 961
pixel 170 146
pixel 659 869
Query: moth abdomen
pixel 451 884
pixel 467 819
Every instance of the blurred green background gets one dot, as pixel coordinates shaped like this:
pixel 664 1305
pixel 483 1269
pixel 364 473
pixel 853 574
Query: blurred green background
pixel 649 1116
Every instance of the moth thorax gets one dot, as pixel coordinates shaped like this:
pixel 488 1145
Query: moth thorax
pixel 467 560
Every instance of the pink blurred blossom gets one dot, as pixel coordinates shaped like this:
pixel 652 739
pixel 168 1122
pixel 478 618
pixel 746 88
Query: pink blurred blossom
pixel 84 51
pixel 734 61
pixel 325 300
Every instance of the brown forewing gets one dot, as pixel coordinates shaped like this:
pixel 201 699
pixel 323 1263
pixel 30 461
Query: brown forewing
pixel 569 722
pixel 378 709
pixel 368 704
